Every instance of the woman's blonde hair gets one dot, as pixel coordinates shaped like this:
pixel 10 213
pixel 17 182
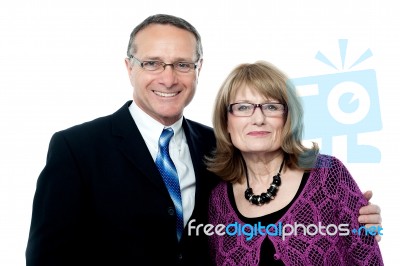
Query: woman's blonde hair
pixel 265 79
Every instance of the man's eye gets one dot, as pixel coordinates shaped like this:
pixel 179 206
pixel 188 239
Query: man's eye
pixel 183 65
pixel 151 63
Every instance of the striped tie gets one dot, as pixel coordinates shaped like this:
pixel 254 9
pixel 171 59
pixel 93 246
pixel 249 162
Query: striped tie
pixel 170 176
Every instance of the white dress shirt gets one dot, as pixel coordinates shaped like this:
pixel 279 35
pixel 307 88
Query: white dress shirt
pixel 151 130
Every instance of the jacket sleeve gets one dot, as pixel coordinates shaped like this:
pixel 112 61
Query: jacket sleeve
pixel 56 212
pixel 362 248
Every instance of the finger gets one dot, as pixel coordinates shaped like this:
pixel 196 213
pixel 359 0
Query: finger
pixel 370 219
pixel 368 195
pixel 378 238
pixel 370 209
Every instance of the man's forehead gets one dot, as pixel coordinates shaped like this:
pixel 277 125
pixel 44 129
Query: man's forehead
pixel 165 41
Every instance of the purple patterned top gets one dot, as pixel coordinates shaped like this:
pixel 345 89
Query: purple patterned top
pixel 330 197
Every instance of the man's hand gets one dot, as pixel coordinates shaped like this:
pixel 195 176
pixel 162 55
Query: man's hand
pixel 370 215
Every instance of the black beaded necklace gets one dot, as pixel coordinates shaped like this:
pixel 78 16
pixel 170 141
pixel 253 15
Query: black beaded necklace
pixel 267 196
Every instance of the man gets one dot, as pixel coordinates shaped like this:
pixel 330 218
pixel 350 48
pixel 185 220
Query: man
pixel 101 198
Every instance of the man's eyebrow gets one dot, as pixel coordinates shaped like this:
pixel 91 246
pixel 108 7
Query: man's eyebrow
pixel 157 58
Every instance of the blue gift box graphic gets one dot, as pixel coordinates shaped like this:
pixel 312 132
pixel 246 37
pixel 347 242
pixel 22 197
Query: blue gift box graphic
pixel 344 103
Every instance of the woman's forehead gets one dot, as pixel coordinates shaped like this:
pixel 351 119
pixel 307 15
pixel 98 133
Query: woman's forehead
pixel 247 91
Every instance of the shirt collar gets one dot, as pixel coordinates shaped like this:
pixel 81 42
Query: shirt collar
pixel 151 129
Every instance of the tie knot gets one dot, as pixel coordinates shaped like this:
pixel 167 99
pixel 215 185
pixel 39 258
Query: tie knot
pixel 166 136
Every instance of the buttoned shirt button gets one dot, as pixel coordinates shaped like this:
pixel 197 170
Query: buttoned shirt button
pixel 171 211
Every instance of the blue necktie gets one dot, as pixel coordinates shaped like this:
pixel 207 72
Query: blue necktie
pixel 170 176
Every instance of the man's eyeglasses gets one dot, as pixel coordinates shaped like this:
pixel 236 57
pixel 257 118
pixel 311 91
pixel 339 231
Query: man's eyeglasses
pixel 247 109
pixel 159 66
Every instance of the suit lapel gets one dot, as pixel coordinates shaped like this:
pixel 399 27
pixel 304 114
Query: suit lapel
pixel 196 144
pixel 131 143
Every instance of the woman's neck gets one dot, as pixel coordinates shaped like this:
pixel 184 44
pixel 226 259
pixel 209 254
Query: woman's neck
pixel 261 168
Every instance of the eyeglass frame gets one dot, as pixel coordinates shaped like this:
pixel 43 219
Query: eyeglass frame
pixel 255 106
pixel 164 65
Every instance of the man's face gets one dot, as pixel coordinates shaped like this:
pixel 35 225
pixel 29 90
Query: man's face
pixel 163 95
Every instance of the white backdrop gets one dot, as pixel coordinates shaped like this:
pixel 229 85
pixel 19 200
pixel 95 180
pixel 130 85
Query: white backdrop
pixel 61 63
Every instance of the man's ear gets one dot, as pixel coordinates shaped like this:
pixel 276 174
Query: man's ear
pixel 128 65
pixel 200 64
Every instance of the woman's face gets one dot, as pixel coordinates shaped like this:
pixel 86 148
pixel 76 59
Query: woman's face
pixel 256 133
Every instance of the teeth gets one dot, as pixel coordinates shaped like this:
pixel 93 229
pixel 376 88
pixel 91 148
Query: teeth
pixel 165 94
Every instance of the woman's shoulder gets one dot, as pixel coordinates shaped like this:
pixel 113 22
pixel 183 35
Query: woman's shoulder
pixel 219 200
pixel 331 173
pixel 327 161
pixel 220 188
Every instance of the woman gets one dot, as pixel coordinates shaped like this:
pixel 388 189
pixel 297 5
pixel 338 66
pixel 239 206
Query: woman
pixel 273 183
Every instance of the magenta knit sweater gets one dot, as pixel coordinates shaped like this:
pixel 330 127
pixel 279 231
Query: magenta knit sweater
pixel 330 196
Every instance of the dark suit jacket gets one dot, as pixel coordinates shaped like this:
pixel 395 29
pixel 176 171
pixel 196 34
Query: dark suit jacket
pixel 101 201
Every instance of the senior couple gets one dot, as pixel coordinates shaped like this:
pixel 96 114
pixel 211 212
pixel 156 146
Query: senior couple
pixel 121 189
